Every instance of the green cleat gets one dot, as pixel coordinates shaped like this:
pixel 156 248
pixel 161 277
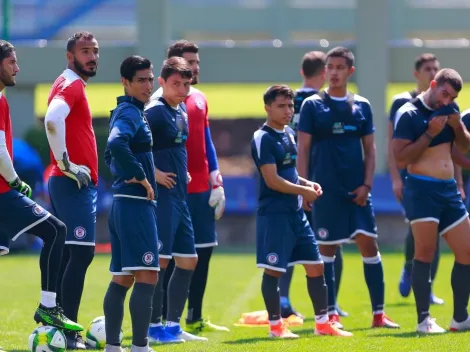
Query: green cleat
pixel 203 325
pixel 55 317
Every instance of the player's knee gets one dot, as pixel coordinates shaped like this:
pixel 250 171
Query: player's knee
pixel 273 273
pixel 425 252
pixel 164 262
pixel 186 263
pixel 314 270
pixel 367 246
pixel 327 250
pixel 146 276
pixel 52 230
pixel 124 280
pixel 81 256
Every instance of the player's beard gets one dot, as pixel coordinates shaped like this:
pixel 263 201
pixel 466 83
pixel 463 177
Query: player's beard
pixel 81 69
pixel 194 80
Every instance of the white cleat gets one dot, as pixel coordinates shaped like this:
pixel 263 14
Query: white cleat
pixel 462 326
pixel 111 348
pixel 186 336
pixel 429 326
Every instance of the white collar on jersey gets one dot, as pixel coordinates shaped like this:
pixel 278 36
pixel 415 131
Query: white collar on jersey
pixel 71 76
pixel 421 97
pixel 338 98
pixel 1 94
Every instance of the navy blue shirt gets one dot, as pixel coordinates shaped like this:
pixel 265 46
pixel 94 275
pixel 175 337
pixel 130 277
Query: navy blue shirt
pixel 466 118
pixel 270 146
pixel 169 128
pixel 411 121
pixel 129 150
pixel 299 97
pixel 337 127
pixel 398 101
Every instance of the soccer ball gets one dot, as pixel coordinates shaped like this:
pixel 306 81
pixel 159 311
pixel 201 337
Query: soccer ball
pixel 96 333
pixel 47 339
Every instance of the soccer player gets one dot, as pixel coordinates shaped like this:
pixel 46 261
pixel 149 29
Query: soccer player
pixel 426 67
pixel 313 73
pixel 72 185
pixel 426 130
pixel 168 120
pixel 132 219
pixel 283 234
pixel 19 214
pixel 206 197
pixel 335 127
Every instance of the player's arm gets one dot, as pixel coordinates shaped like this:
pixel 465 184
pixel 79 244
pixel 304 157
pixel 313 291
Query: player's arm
pixel 279 184
pixel 304 137
pixel 392 165
pixel 368 145
pixel 462 136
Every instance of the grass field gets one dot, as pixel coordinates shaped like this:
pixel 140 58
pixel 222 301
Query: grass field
pixel 233 288
pixel 229 100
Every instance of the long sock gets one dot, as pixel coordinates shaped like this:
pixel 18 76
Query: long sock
pixel 374 275
pixel 409 251
pixel 74 278
pixel 52 231
pixel 270 291
pixel 338 269
pixel 198 284
pixel 285 281
pixel 166 279
pixel 421 283
pixel 60 276
pixel 461 290
pixel 113 307
pixel 178 290
pixel 329 265
pixel 318 292
pixel 140 307
pixel 157 300
pixel 435 262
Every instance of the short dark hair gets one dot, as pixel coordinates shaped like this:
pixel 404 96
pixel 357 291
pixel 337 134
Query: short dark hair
pixel 132 64
pixel 275 91
pixel 176 65
pixel 6 48
pixel 180 47
pixel 451 76
pixel 76 37
pixel 313 62
pixel 424 58
pixel 343 52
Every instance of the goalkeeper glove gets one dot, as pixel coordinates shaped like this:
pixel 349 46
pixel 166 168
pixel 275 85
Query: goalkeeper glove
pixel 21 187
pixel 79 173
pixel 217 197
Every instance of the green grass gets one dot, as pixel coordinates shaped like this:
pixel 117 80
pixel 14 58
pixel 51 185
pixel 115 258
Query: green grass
pixel 234 288
pixel 231 100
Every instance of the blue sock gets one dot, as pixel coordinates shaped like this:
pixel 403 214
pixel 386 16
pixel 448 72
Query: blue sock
pixel 374 275
pixel 329 267
pixel 285 302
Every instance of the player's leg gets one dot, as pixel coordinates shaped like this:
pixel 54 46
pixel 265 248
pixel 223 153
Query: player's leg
pixel 168 272
pixel 338 275
pixel 275 242
pixel 184 252
pixel 405 280
pixel 434 266
pixel 205 237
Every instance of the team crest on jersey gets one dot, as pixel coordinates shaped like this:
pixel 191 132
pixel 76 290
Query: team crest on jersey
pixel 160 245
pixel 322 233
pixel 199 103
pixel 338 128
pixel 38 210
pixel 148 258
pixel 79 232
pixel 272 258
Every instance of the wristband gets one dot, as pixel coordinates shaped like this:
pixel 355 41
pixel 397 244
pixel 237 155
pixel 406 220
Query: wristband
pixel 429 136
pixel 367 186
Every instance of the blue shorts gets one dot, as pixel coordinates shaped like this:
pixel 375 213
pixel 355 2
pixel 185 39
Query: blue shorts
pixel 337 219
pixel 133 234
pixel 18 214
pixel 430 199
pixel 175 230
pixel 202 217
pixel 285 239
pixel 76 208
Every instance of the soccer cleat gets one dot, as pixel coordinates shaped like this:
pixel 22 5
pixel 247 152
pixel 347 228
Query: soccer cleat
pixel 287 311
pixel 382 321
pixel 281 331
pixel 75 341
pixel 158 334
pixel 462 326
pixel 435 300
pixel 55 317
pixel 429 326
pixel 405 283
pixel 204 325
pixel 334 319
pixel 330 329
pixel 341 312
pixel 111 348
pixel 179 333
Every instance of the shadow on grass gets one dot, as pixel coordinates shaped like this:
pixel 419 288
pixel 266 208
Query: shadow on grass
pixel 250 340
pixel 408 335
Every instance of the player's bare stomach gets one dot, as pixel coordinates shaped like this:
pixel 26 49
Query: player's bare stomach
pixel 434 162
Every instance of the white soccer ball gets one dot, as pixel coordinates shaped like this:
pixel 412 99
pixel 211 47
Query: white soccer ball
pixel 96 333
pixel 47 339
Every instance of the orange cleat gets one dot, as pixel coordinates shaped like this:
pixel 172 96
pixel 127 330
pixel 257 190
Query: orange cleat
pixel 281 331
pixel 329 328
pixel 334 319
pixel 382 321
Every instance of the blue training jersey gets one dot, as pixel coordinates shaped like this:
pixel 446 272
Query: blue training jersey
pixel 270 146
pixel 169 128
pixel 300 95
pixel 337 127
pixel 129 149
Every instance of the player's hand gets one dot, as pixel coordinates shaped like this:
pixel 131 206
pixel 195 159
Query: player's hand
pixel 147 186
pixel 462 191
pixel 79 173
pixel 453 120
pixel 397 187
pixel 436 125
pixel 21 187
pixel 189 177
pixel 166 179
pixel 361 194
pixel 309 194
pixel 317 187
pixel 217 201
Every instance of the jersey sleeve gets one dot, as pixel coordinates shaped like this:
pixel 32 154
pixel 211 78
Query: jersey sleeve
pixel 154 117
pixel 263 149
pixel 3 113
pixel 403 126
pixel 70 93
pixel 307 117
pixel 397 104
pixel 368 127
pixel 466 119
